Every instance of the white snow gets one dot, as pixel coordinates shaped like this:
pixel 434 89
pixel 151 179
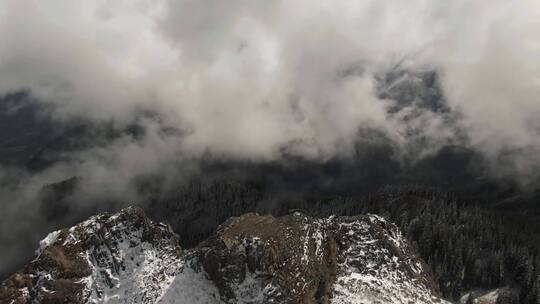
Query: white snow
pixel 379 279
pixel 47 241
pixel 190 287
pixel 134 272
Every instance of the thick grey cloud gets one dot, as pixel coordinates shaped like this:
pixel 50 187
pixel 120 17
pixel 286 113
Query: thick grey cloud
pixel 256 79
pixel 248 78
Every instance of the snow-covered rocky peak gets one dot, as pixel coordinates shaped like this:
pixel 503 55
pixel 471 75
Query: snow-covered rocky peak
pixel 103 259
pixel 127 258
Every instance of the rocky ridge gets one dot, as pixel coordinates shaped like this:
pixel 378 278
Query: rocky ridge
pixel 128 258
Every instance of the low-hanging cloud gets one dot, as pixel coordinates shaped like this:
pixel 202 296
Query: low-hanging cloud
pixel 257 80
pixel 248 78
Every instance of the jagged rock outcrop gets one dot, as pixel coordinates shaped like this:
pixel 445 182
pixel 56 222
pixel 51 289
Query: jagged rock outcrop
pixel 103 258
pixel 127 258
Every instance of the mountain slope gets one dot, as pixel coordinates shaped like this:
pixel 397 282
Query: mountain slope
pixel 127 258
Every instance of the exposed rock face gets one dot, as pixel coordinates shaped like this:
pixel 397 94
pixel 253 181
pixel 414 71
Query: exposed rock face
pixel 127 258
pixel 98 260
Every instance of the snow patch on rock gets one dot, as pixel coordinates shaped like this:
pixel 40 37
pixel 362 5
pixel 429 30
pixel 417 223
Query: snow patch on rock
pixel 371 273
pixel 47 241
